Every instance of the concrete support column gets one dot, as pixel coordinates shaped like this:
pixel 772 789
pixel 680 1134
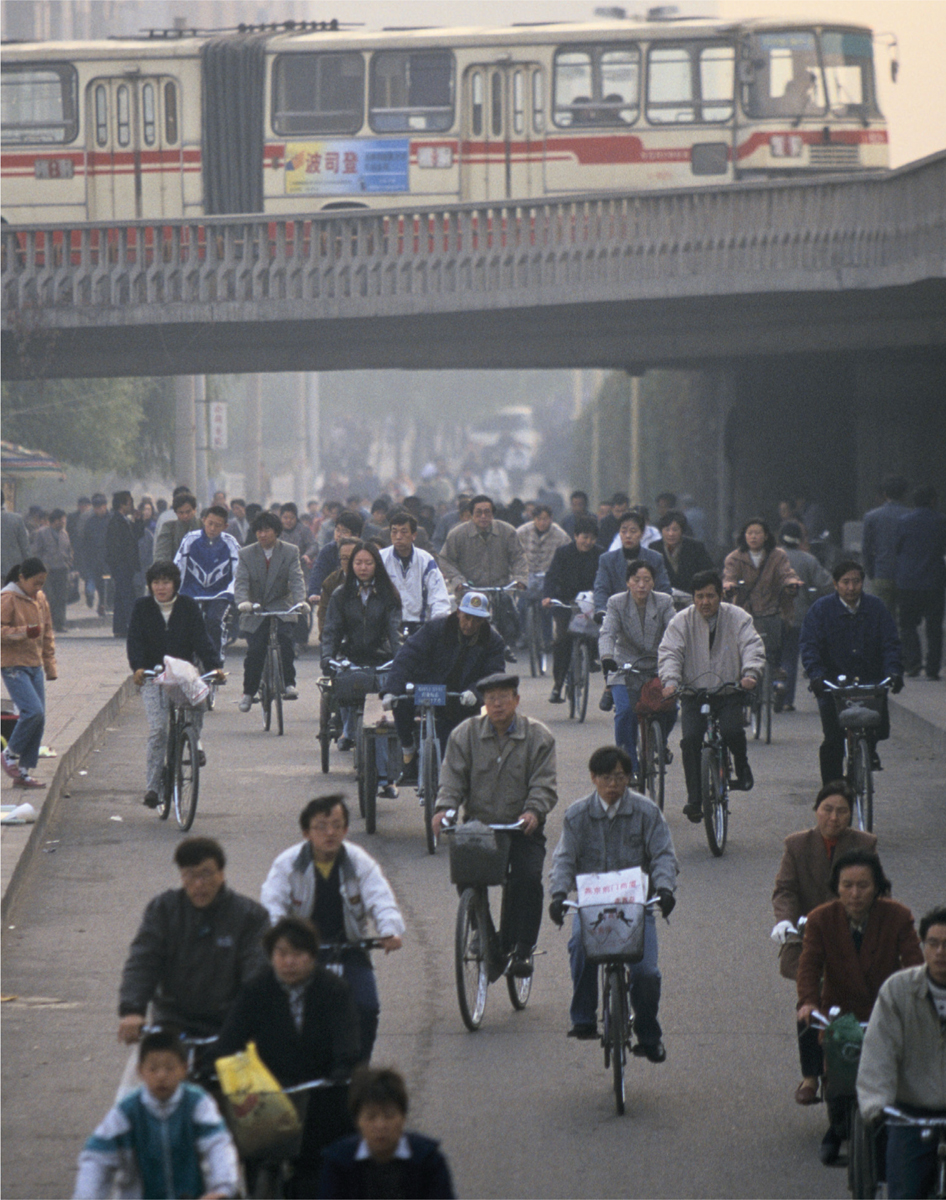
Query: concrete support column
pixel 201 442
pixel 634 447
pixel 724 386
pixel 300 471
pixel 253 442
pixel 313 428
pixel 185 447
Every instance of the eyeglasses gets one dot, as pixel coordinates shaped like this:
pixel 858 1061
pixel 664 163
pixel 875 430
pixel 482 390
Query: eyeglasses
pixel 616 777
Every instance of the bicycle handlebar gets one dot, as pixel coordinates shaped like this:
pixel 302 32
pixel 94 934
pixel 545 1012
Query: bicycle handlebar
pixel 857 688
pixel 303 605
pixel 902 1118
pixel 653 902
pixel 156 671
pixel 449 823
pixel 724 689
pixel 475 587
pixel 362 944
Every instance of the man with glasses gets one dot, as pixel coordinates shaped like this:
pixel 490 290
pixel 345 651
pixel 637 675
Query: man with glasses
pixel 195 948
pixel 341 889
pixel 613 829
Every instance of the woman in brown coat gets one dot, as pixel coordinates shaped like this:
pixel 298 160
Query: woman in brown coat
pixel 758 576
pixel 851 946
pixel 802 883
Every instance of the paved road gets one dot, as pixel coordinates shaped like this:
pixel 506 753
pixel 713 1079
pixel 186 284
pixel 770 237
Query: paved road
pixel 521 1110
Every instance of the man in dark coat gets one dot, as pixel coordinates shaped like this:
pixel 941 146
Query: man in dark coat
pixel 455 651
pixel 93 551
pixel 121 554
pixel 573 569
pixel 850 634
pixel 921 581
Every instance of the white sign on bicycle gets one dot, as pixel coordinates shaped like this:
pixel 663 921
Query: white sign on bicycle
pixel 612 887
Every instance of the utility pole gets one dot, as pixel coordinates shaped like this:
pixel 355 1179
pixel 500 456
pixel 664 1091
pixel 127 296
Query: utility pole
pixel 185 450
pixel 313 427
pixel 253 443
pixel 202 476
pixel 635 440
pixel 300 473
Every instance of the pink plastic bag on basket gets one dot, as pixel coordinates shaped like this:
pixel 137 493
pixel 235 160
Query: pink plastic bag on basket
pixel 183 682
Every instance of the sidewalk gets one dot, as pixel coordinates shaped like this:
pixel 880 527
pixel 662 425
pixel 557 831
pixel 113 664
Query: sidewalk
pixel 920 711
pixel 94 682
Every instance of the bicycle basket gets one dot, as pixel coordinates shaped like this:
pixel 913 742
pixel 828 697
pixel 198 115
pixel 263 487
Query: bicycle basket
pixel 842 1053
pixel 612 931
pixel 652 699
pixel 478 856
pixel 351 687
pixel 859 712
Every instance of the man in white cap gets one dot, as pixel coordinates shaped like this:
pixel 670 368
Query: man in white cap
pixel 456 650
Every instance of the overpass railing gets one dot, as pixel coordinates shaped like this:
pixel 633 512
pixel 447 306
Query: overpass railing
pixel 817 234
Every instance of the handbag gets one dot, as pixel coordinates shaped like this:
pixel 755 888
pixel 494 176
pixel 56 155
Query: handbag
pixel 260 1113
pixel 652 699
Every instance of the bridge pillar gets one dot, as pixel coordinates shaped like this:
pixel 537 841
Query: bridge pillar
pixel 185 433
pixel 253 442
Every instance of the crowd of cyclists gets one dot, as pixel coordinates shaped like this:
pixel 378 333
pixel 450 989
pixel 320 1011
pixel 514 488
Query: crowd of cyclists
pixel 420 596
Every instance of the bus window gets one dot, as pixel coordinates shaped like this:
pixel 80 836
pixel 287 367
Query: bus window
pixel 476 103
pixel 101 115
pixel 39 104
pixel 596 85
pixel 784 77
pixel 149 125
pixel 849 73
pixel 538 103
pixel 170 113
pixel 318 93
pixel 496 103
pixel 411 90
pixel 518 103
pixel 123 115
pixel 689 83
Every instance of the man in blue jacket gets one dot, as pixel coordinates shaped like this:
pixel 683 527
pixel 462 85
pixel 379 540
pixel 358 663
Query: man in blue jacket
pixel 612 566
pixel 850 634
pixel 879 540
pixel 456 651
pixel 921 581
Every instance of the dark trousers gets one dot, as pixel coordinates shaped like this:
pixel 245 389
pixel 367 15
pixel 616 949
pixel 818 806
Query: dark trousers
pixel 214 612
pixel 505 618
pixel 561 646
pixel 124 601
pixel 404 713
pixel 911 1163
pixel 927 605
pixel 645 984
pixel 790 642
pixel 809 1051
pixel 831 753
pixel 57 589
pixel 358 973
pixel 256 646
pixel 524 894
pixel 729 711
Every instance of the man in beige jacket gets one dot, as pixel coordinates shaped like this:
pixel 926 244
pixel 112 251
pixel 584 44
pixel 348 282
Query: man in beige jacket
pixel 501 768
pixel 705 646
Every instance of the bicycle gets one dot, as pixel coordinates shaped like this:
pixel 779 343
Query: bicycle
pixel 715 765
pixel 429 696
pixel 839 1086
pixel 762 699
pixel 482 954
pixel 613 938
pixel 930 1124
pixel 859 707
pixel 225 639
pixel 180 775
pixel 272 684
pixel 651 747
pixel 583 633
pixel 534 626
pixel 502 599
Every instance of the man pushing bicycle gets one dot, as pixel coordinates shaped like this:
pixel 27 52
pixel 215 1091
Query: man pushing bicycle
pixel 501 768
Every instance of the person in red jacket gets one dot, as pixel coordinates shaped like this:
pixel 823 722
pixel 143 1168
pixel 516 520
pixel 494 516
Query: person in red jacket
pixel 851 946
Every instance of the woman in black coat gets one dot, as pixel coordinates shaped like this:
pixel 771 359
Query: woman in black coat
pixel 683 556
pixel 165 623
pixel 305 1025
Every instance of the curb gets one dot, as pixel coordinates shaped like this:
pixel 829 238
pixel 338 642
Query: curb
pixel 932 737
pixel 66 767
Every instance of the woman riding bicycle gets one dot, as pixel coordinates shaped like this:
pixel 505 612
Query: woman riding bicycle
pixel 363 625
pixel 758 576
pixel 165 623
pixel 634 623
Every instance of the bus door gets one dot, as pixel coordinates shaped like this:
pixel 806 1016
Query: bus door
pixel 503 131
pixel 134 163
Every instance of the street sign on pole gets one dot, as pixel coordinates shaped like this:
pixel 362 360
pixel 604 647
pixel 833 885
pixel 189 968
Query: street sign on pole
pixel 217 411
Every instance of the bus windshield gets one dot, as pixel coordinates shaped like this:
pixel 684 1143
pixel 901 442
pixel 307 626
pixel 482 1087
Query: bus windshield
pixel 804 73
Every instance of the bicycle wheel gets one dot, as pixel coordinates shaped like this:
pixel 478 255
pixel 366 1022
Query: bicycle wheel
pixel 755 701
pixel 369 775
pixel 186 778
pixel 325 730
pixel 715 800
pixel 768 699
pixel 358 757
pixel 583 682
pixel 167 775
pixel 266 693
pixel 519 990
pixel 279 686
pixel 654 765
pixel 861 1160
pixel 531 641
pixel 570 690
pixel 470 950
pixel 430 773
pixel 862 780
pixel 617 1026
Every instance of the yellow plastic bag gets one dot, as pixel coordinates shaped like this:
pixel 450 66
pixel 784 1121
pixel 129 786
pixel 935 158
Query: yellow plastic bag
pixel 262 1117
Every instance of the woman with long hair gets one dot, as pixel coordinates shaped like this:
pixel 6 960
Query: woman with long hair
pixel 27 660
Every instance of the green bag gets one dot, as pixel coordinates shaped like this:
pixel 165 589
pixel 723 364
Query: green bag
pixel 842 1054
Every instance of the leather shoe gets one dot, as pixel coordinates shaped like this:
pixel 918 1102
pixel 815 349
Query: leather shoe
pixel 654 1052
pixel 807 1093
pixel 150 800
pixel 520 966
pixel 345 743
pixel 408 776
pixel 875 761
pixel 744 780
pixel 584 1033
pixel 830 1147
pixel 693 812
pixel 556 696
pixel 387 791
pixel 606 703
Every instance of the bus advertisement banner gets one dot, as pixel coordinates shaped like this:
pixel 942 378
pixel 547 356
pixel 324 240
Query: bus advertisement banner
pixel 340 168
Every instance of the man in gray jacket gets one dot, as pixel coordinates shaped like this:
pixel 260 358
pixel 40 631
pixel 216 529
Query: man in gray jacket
pixel 194 950
pixel 705 646
pixel 501 768
pixel 903 1060
pixel 612 829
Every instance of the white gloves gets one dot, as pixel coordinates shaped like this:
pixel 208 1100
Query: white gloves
pixel 782 932
pixel 387 703
pixel 245 606
pixel 469 699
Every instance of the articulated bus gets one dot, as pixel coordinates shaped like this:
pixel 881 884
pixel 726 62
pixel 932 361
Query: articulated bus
pixel 309 117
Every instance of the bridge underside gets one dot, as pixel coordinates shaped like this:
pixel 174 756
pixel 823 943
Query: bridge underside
pixel 633 334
